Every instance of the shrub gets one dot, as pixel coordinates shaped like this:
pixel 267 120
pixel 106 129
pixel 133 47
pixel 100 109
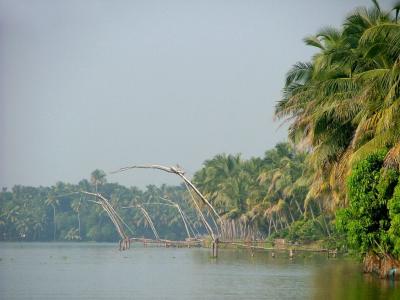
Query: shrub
pixel 371 222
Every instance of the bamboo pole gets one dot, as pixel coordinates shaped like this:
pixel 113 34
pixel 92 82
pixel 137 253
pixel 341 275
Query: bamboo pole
pixel 112 209
pixel 188 183
pixel 191 227
pixel 115 218
pixel 147 217
pixel 190 186
pixel 173 204
pixel 180 212
pixel 203 219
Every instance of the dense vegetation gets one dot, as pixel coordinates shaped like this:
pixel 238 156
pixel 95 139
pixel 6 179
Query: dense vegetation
pixel 344 153
pixel 344 103
pixel 345 108
pixel 372 220
pixel 59 213
pixel 262 196
pixel 256 198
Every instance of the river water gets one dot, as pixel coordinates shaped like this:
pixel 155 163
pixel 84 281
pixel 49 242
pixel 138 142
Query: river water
pixel 100 271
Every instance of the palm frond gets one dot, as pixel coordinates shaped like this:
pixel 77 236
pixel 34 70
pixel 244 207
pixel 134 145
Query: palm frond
pixel 392 158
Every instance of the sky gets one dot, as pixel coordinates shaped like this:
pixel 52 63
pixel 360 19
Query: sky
pixel 106 84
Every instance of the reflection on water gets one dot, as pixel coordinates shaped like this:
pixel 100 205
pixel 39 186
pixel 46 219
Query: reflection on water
pixel 100 271
pixel 343 279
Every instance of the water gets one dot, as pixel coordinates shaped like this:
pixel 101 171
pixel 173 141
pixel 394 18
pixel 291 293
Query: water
pixel 100 271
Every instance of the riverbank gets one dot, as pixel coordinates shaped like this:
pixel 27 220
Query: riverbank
pixel 384 266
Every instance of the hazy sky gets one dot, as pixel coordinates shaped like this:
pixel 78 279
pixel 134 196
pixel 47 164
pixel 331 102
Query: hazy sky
pixel 105 84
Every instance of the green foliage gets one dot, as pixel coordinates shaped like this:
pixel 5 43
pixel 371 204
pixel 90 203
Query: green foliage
pixel 257 197
pixel 305 231
pixel 344 103
pixel 370 221
pixel 264 194
pixel 343 106
pixel 394 212
pixel 60 213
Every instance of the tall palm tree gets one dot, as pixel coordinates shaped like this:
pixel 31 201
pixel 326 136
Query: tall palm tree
pixel 53 202
pixel 97 178
pixel 284 176
pixel 76 206
pixel 214 175
pixel 345 102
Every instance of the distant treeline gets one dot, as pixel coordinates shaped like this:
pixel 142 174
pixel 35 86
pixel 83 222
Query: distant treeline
pixel 59 213
pixel 256 198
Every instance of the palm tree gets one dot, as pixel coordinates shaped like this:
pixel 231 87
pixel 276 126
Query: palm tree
pixel 98 177
pixel 345 102
pixel 13 214
pixel 76 207
pixel 53 202
pixel 214 175
pixel 283 176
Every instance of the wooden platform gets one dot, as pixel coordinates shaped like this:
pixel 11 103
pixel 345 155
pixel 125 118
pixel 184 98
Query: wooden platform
pixel 168 243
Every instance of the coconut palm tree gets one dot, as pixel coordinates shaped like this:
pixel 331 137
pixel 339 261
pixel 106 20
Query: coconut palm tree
pixel 344 103
pixel 284 177
pixel 76 206
pixel 98 178
pixel 214 175
pixel 53 202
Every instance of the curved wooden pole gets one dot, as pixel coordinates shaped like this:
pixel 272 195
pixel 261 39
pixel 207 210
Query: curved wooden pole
pixel 203 219
pixel 189 186
pixel 147 217
pixel 191 227
pixel 113 219
pixel 180 173
pixel 176 205
pixel 116 219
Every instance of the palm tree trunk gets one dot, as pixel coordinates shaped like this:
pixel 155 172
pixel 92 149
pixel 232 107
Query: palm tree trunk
pixel 286 221
pixel 298 206
pixel 54 222
pixel 274 223
pixel 280 221
pixel 323 218
pixel 233 229
pixel 79 224
pixel 291 216
pixel 241 229
pixel 313 216
pixel 312 212
pixel 269 226
pixel 326 225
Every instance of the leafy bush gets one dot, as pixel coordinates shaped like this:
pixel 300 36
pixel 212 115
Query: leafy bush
pixel 394 212
pixel 371 222
pixel 305 231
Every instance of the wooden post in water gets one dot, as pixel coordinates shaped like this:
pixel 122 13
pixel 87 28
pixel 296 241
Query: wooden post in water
pixel 215 247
